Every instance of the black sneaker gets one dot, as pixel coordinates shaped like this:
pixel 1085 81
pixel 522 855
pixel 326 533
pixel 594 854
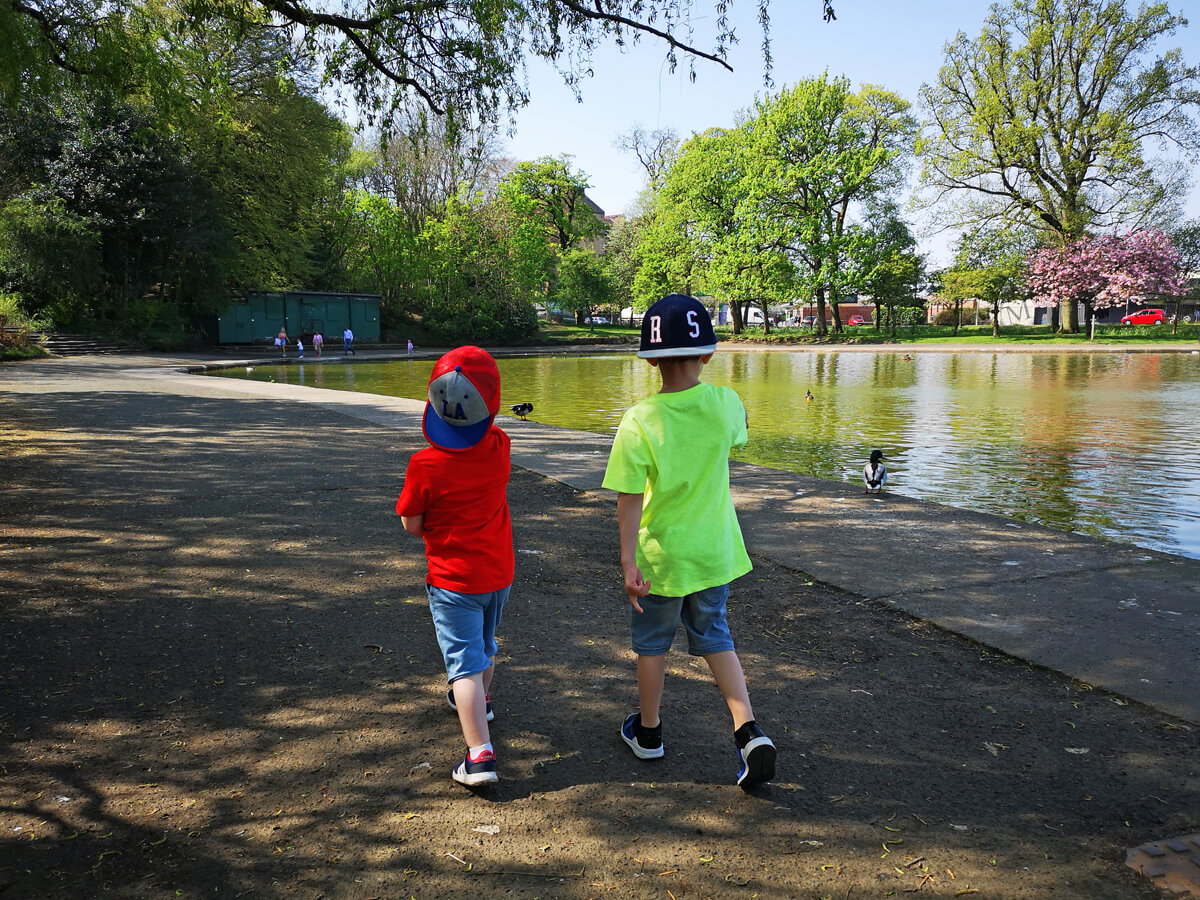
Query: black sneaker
pixel 474 772
pixel 646 743
pixel 488 697
pixel 756 754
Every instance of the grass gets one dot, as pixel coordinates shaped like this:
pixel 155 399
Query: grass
pixel 588 334
pixel 1039 335
pixel 934 335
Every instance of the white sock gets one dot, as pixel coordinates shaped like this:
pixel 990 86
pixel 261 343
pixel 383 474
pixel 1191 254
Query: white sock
pixel 474 752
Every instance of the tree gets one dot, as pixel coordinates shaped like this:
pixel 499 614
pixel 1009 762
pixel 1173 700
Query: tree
pixel 1045 119
pixel 559 199
pixel 422 163
pixel 818 152
pixel 989 265
pixel 461 58
pixel 1106 271
pixel 884 263
pixel 1186 240
pixel 655 151
pixel 700 229
pixel 485 268
pixel 583 284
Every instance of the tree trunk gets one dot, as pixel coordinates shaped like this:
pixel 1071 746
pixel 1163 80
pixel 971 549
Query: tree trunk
pixel 1069 317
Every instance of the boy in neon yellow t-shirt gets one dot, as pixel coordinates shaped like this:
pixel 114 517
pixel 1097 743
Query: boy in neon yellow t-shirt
pixel 678 528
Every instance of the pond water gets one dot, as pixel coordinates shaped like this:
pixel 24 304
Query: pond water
pixel 1098 443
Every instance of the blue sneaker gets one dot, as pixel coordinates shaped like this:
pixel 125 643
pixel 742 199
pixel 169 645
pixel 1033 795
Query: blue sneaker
pixel 474 772
pixel 450 702
pixel 756 754
pixel 646 743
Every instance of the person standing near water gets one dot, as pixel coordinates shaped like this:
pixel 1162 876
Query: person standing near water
pixel 347 341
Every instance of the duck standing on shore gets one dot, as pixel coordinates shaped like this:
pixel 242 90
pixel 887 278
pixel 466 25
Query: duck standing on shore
pixel 875 473
pixel 522 409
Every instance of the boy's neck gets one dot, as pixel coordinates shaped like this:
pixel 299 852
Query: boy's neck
pixel 679 374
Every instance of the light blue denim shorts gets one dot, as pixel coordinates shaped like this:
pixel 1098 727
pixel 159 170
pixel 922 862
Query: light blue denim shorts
pixel 466 628
pixel 702 615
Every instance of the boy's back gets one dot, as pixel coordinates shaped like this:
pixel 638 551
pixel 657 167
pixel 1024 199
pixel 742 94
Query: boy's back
pixel 674 448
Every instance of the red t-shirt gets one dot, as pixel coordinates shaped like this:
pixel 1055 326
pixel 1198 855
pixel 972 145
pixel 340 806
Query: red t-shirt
pixel 463 495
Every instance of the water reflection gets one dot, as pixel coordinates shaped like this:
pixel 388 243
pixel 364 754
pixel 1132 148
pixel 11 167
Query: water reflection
pixel 1098 443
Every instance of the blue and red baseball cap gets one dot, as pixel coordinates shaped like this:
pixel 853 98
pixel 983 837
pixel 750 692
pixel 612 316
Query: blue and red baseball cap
pixel 677 325
pixel 464 397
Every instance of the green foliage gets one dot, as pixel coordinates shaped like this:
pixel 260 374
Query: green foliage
pixel 584 284
pixel 461 58
pixel 50 254
pixel 485 269
pixel 557 197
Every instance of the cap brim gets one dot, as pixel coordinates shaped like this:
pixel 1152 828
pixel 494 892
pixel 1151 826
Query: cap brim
pixel 452 437
pixel 677 351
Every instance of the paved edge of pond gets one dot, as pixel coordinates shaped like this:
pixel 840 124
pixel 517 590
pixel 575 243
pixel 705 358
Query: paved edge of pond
pixel 1118 617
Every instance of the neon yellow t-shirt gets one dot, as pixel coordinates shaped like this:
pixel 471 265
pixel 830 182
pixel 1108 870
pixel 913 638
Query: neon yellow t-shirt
pixel 674 448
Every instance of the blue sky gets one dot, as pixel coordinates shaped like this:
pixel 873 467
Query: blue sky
pixel 897 45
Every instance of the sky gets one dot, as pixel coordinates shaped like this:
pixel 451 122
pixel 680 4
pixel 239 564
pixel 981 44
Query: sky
pixel 896 45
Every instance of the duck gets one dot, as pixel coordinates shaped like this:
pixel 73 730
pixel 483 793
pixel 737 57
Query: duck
pixel 875 473
pixel 522 409
pixel 808 395
pixel 907 357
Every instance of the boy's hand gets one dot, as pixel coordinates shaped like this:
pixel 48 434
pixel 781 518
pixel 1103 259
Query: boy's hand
pixel 635 586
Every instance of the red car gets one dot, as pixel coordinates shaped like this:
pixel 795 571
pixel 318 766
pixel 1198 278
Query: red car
pixel 857 320
pixel 1145 317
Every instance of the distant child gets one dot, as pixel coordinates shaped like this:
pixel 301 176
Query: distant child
pixel 347 341
pixel 455 497
pixel 410 348
pixel 281 340
pixel 678 529
pixel 318 342
pixel 300 347
pixel 875 473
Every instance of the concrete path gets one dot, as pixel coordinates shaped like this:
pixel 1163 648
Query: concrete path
pixel 1118 617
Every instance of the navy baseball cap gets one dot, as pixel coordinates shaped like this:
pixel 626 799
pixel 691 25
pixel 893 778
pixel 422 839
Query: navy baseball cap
pixel 464 397
pixel 677 325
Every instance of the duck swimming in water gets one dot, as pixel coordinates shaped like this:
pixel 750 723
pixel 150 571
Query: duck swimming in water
pixel 808 395
pixel 522 409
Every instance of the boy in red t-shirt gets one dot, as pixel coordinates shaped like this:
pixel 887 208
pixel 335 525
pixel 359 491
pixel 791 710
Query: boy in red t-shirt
pixel 455 497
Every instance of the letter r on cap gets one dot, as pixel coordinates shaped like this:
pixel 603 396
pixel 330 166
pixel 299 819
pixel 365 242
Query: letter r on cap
pixel 656 329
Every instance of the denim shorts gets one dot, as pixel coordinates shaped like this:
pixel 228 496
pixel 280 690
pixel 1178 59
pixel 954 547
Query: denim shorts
pixel 702 615
pixel 466 628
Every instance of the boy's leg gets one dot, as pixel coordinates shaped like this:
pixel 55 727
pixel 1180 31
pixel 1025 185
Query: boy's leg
pixel 470 700
pixel 755 750
pixel 644 739
pixel 727 670
pixel 651 674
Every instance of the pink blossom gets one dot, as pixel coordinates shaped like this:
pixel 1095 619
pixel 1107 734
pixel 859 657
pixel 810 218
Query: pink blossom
pixel 1106 271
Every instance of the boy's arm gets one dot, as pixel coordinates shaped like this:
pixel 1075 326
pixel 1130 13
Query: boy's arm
pixel 414 525
pixel 629 522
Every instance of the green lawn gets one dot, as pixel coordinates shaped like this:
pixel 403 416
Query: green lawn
pixel 1025 335
pixel 1039 335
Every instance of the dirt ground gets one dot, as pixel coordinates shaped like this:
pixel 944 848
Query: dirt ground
pixel 219 679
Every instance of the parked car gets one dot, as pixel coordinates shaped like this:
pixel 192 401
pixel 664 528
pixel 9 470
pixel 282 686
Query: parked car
pixel 596 320
pixel 857 320
pixel 1145 317
pixel 808 322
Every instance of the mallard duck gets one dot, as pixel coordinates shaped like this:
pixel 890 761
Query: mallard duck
pixel 521 409
pixel 808 395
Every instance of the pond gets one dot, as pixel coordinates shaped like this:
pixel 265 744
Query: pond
pixel 1099 443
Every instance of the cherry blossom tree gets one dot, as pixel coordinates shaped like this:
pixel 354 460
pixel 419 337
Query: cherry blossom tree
pixel 1106 271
